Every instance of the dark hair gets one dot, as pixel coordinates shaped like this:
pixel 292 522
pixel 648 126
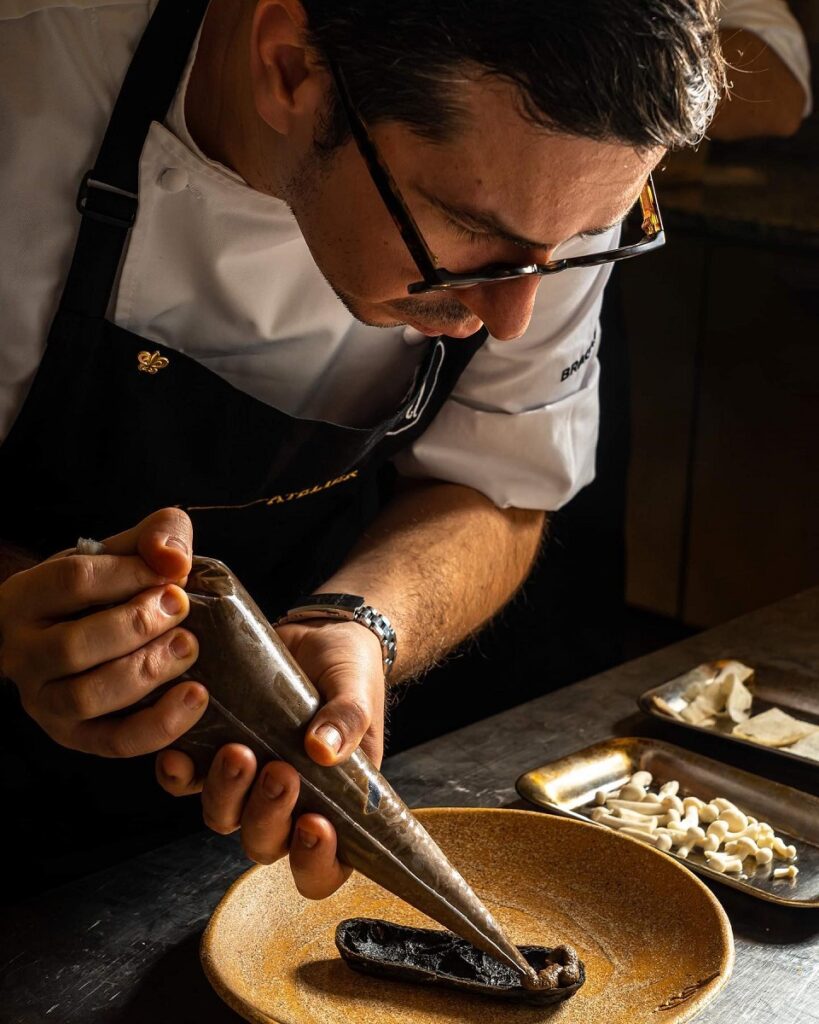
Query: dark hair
pixel 644 72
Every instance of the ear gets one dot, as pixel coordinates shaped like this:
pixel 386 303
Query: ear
pixel 287 84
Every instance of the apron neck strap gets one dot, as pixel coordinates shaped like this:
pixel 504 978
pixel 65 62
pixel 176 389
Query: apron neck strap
pixel 107 198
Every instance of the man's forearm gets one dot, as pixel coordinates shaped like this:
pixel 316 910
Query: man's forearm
pixel 439 561
pixel 765 98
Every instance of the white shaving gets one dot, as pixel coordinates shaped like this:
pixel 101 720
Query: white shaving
pixel 86 546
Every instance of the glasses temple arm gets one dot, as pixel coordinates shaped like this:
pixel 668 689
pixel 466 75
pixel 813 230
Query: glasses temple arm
pixel 384 182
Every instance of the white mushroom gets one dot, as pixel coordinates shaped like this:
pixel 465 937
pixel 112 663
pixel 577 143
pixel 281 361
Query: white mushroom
pixel 783 851
pixel 742 847
pixel 603 817
pixel 659 842
pixel 736 820
pixel 695 836
pixel 633 792
pixel 694 801
pixel 632 817
pixel 672 801
pixel 709 813
pixel 791 871
pixel 639 806
pixel 675 824
pixel 720 829
pixel 723 863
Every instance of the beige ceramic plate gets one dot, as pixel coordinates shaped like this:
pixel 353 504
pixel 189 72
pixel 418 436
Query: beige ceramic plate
pixel 656 943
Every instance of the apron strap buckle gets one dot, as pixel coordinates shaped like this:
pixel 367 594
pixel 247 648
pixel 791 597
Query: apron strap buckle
pixel 106 203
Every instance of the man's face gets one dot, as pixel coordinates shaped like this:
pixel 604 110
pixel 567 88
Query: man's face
pixel 540 189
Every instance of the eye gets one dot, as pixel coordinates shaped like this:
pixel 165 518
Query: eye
pixel 480 237
pixel 465 233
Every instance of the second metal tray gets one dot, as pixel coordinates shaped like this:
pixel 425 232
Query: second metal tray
pixel 771 687
pixel 568 786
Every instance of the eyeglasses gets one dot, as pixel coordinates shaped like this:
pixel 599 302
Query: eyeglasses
pixel 437 278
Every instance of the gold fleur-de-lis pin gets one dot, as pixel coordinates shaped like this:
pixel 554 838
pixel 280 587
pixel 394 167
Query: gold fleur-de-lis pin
pixel 151 362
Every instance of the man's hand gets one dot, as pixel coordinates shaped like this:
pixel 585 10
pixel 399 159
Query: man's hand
pixel 86 635
pixel 344 661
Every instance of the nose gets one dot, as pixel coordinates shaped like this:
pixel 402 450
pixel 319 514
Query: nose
pixel 505 307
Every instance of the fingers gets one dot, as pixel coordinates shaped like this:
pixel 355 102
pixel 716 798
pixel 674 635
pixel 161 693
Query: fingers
pixel 65 586
pixel 164 539
pixel 121 682
pixel 176 773
pixel 316 870
pixel 231 800
pixel 263 810
pixel 70 648
pixel 143 732
pixel 267 817
pixel 227 784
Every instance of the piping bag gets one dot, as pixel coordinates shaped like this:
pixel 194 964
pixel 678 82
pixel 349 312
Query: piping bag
pixel 260 697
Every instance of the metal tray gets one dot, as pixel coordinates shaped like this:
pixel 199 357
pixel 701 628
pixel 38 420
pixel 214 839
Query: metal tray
pixel 796 694
pixel 567 786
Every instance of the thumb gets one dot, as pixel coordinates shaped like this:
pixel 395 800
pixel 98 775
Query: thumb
pixel 164 539
pixel 351 718
pixel 337 730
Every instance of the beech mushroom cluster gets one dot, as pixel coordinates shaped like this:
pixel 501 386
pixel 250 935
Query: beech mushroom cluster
pixel 731 841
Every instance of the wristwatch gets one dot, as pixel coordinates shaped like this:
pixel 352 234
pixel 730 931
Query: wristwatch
pixel 349 608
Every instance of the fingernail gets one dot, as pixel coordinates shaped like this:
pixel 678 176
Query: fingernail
pixel 273 789
pixel 175 542
pixel 194 699
pixel 331 736
pixel 306 839
pixel 180 646
pixel 230 770
pixel 171 602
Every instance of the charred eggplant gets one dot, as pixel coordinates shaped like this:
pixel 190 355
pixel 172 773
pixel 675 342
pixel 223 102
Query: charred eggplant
pixel 430 957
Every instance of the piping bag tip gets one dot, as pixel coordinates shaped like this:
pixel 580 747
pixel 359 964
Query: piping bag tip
pixel 260 696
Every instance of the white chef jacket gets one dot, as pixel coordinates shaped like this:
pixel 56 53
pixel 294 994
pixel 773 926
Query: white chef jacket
pixel 222 272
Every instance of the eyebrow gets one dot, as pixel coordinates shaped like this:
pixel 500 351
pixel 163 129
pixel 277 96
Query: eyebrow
pixel 493 225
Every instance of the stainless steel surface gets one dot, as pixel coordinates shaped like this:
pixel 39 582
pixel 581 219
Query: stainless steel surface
pixel 790 690
pixel 567 786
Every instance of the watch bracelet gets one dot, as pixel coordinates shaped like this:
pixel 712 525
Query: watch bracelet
pixel 382 627
pixel 379 625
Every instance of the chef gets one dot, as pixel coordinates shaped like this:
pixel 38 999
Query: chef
pixel 314 289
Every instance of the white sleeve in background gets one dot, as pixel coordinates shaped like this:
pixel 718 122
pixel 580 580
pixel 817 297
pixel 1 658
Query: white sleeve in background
pixel 521 426
pixel 773 22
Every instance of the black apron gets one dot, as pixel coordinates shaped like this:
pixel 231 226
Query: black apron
pixel 116 426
